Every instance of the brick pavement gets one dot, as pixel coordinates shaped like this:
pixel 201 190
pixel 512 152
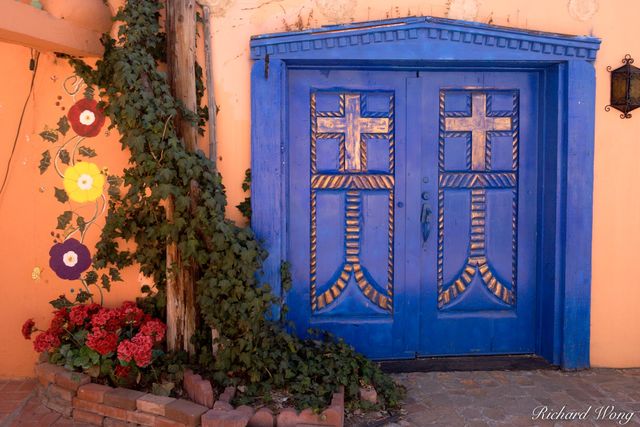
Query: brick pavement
pixel 508 398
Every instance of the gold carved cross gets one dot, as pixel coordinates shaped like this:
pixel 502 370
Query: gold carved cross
pixel 353 125
pixel 478 124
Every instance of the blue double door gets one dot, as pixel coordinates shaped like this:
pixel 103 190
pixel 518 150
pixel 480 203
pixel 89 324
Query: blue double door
pixel 412 209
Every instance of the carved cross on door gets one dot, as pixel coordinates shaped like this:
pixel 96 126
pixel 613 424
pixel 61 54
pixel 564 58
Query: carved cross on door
pixel 353 126
pixel 478 124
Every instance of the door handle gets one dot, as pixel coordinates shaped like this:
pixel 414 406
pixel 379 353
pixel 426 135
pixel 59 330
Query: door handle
pixel 425 216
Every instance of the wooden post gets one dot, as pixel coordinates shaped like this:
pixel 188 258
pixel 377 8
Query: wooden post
pixel 181 56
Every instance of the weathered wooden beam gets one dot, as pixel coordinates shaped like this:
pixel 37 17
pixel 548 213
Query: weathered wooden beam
pixel 25 25
pixel 181 56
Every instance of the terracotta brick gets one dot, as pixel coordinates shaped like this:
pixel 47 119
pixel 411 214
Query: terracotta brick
pixel 57 392
pixel 153 404
pixel 369 394
pixel 98 408
pixel 110 422
pixel 142 418
pixel 59 406
pixel 204 394
pixel 222 406
pixel 185 412
pixel 93 392
pixel 46 373
pixel 71 380
pixel 122 398
pixel 228 394
pixel 87 417
pixel 234 418
pixel 166 422
pixel 288 417
pixel 333 416
pixel 262 418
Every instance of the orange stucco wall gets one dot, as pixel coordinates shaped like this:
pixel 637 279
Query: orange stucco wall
pixel 28 210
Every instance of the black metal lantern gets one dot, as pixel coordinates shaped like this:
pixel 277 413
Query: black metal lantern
pixel 625 88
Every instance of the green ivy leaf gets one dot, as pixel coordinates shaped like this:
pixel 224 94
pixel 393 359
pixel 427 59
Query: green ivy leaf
pixel 49 135
pixel 87 151
pixel 63 125
pixel 114 185
pixel 91 277
pixel 64 156
pixel 45 162
pixel 61 195
pixel 64 219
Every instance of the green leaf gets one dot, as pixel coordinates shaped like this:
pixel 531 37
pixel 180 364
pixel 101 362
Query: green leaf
pixel 88 92
pixel 83 296
pixel 64 156
pixel 87 151
pixel 45 162
pixel 49 135
pixel 115 275
pixel 106 283
pixel 81 223
pixel 91 277
pixel 64 219
pixel 63 125
pixel 61 195
pixel 60 302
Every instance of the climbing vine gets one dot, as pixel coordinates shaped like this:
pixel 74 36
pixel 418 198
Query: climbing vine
pixel 253 351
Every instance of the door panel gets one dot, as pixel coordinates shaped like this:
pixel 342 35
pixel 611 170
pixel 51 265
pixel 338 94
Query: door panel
pixel 346 190
pixel 479 160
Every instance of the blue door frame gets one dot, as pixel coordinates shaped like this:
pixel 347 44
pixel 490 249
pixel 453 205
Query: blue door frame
pixel 565 165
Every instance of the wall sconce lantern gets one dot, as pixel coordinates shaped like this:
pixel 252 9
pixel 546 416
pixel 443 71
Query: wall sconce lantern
pixel 625 88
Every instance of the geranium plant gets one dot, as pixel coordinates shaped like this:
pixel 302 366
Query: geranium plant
pixel 116 345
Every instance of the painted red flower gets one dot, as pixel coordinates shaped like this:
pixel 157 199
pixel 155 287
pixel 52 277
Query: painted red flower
pixel 155 329
pixel 27 329
pixel 86 117
pixel 46 341
pixel 102 341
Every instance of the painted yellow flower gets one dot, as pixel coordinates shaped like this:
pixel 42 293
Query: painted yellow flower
pixel 83 182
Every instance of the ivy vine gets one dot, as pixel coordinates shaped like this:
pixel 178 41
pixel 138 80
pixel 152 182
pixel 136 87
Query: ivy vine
pixel 253 351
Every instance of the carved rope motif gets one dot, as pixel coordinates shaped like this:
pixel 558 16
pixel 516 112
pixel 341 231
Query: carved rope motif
pixel 478 179
pixel 352 127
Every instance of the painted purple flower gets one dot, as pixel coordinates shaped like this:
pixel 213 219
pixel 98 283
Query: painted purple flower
pixel 69 259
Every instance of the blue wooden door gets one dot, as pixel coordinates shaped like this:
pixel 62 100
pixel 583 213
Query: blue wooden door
pixel 412 206
pixel 346 187
pixel 478 198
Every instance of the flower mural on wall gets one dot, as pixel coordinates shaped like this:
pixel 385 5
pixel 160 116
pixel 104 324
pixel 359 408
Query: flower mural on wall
pixel 69 259
pixel 86 118
pixel 83 182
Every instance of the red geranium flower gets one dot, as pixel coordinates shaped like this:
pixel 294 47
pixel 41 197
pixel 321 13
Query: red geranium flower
pixel 45 342
pixel 155 329
pixel 86 117
pixel 27 329
pixel 122 371
pixel 106 318
pixel 130 313
pixel 102 341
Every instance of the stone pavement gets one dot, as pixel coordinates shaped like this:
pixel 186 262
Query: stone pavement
pixel 447 399
pixel 509 398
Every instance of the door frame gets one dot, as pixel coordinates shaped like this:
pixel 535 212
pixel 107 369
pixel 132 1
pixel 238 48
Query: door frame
pixel 566 162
